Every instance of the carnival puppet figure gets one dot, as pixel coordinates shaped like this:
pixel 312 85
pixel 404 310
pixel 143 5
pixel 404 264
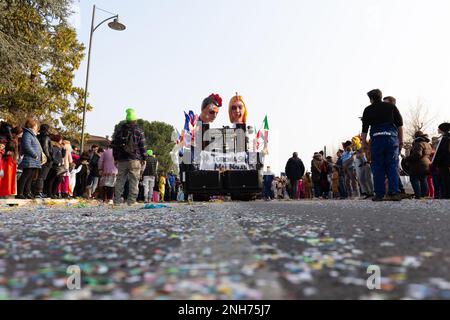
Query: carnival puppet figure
pixel 237 110
pixel 210 109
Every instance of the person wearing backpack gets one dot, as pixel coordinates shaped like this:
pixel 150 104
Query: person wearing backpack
pixel 441 160
pixel 129 152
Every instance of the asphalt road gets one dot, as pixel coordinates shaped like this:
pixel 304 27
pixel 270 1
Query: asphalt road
pixel 255 250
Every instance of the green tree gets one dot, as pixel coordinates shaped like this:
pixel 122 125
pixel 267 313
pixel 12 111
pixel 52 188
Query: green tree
pixel 39 54
pixel 158 136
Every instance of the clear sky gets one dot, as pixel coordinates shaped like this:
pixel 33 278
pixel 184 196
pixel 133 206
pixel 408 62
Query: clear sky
pixel 306 64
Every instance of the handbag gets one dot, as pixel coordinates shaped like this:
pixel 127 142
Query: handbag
pixel 60 170
pixel 43 156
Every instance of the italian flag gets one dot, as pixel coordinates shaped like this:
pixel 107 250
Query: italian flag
pixel 262 137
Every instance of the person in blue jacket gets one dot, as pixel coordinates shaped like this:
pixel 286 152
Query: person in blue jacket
pixel 32 159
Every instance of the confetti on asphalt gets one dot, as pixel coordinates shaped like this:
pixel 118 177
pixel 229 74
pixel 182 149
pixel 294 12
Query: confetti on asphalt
pixel 278 250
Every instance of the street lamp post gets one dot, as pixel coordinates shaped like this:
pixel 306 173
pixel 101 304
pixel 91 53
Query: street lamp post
pixel 115 25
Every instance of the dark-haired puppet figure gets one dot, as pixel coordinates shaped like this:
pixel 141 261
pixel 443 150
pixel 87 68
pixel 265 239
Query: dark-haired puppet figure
pixel 210 108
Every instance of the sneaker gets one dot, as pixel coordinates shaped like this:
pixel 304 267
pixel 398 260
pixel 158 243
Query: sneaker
pixel 20 197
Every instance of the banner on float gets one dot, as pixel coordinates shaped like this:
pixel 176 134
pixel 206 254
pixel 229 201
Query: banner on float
pixel 223 161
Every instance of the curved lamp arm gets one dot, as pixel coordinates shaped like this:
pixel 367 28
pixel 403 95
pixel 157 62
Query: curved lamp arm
pixel 113 17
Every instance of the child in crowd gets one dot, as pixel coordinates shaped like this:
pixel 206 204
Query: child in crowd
pixel 162 186
pixel 67 161
pixel 108 174
pixel 335 182
pixel 73 178
pixel 82 186
pixel 307 182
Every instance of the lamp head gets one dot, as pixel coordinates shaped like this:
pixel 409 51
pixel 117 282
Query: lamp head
pixel 116 25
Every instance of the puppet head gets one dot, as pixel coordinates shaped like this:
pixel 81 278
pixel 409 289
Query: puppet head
pixel 210 108
pixel 237 110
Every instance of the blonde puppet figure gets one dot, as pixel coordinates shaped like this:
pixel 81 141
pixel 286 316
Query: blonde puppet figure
pixel 237 110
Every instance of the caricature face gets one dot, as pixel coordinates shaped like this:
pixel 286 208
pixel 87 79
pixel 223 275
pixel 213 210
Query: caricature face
pixel 237 112
pixel 209 113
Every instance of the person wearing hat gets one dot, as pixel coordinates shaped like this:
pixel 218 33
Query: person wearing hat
pixel 149 176
pixel 129 152
pixel 441 159
pixel 386 133
pixel 419 162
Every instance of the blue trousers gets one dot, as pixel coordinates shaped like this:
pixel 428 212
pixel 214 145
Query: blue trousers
pixel 385 161
pixel 342 188
pixel 420 186
pixel 267 191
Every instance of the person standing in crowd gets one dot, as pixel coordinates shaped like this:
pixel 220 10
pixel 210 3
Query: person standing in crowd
pixel 386 131
pixel 94 177
pixel 162 186
pixel 57 171
pixel 151 168
pixel 129 152
pixel 108 172
pixel 172 180
pixel 295 170
pixel 436 179
pixel 76 155
pixel 342 188
pixel 10 140
pixel 67 161
pixel 362 168
pixel 92 151
pixel 2 153
pixel 82 178
pixel 392 100
pixel 47 148
pixel 73 171
pixel 335 182
pixel 268 178
pixel 419 164
pixel 316 171
pixel 32 159
pixel 307 185
pixel 442 160
pixel 348 163
pixel 330 165
pixel 324 182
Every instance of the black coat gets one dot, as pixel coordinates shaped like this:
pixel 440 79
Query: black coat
pixel 295 169
pixel 46 144
pixel 442 158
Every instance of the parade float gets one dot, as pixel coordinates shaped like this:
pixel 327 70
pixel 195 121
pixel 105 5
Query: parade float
pixel 225 161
